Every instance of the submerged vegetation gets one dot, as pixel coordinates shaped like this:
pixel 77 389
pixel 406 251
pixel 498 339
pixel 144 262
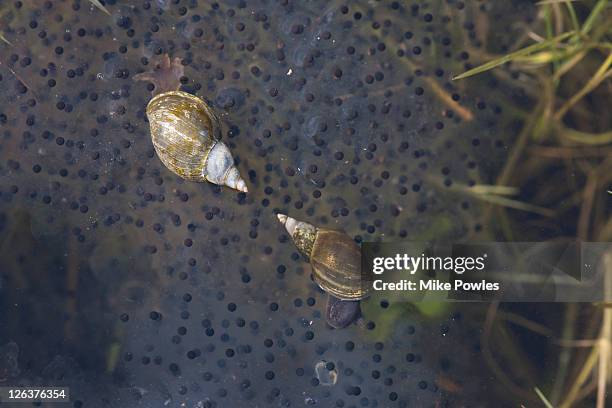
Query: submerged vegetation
pixel 561 162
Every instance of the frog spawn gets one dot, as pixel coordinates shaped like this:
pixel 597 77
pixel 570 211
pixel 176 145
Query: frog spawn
pixel 77 155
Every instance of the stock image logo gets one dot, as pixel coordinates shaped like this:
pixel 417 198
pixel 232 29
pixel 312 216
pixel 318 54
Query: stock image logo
pixel 520 271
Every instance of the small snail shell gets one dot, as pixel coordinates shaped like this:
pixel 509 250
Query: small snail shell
pixel 334 256
pixel 186 134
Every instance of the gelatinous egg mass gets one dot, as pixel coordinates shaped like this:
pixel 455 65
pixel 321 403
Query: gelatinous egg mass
pixel 136 287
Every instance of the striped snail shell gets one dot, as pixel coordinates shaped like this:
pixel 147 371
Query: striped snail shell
pixel 186 134
pixel 335 258
pixel 185 131
pixel 336 268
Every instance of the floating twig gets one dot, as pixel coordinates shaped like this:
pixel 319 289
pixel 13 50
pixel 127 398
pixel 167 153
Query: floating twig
pixel 99 6
pixel 16 75
pixel 3 38
pixel 543 398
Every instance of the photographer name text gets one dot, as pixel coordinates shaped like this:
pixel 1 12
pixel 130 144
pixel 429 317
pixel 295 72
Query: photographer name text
pixel 412 264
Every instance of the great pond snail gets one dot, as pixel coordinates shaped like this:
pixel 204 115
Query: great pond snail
pixel 336 267
pixel 186 132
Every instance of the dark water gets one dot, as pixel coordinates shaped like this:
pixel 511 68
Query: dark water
pixel 136 288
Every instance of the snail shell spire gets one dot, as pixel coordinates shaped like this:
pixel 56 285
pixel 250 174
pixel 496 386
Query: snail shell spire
pixel 302 233
pixel 220 168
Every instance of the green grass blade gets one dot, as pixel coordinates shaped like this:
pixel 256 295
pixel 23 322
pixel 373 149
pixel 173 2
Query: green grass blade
pixel 493 189
pixel 509 57
pixel 593 139
pixel 517 205
pixel 99 6
pixel 543 57
pixel 549 33
pixel 570 62
pixel 597 9
pixel 548 22
pixel 573 16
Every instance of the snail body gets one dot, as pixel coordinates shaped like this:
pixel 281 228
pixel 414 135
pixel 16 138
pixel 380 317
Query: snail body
pixel 341 313
pixel 336 268
pixel 186 132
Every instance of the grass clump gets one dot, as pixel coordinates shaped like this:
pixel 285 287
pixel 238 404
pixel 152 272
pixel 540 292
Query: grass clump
pixel 565 151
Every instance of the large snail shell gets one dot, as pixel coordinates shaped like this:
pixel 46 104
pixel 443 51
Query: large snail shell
pixel 334 256
pixel 186 135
